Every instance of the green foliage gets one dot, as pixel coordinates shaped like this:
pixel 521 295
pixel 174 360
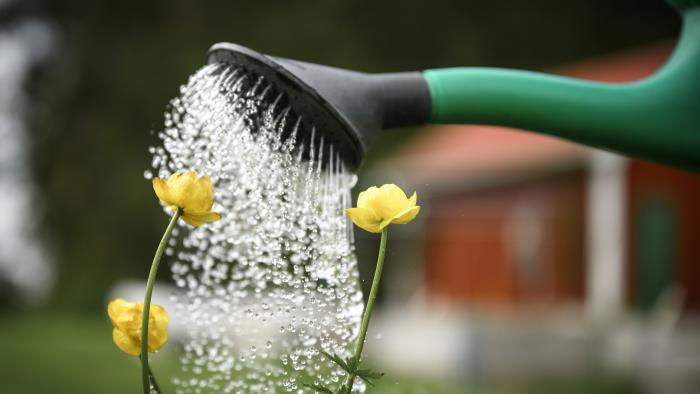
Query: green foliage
pixel 153 381
pixel 347 365
pixel 368 375
pixel 319 388
pixel 70 353
pixel 350 366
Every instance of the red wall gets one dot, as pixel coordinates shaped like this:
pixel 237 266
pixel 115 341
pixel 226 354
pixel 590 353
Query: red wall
pixel 474 255
pixel 682 190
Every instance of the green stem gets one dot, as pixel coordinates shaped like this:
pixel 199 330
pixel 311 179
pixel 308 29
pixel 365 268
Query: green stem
pixel 350 379
pixel 147 301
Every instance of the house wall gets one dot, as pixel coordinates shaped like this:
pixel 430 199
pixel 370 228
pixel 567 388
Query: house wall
pixel 664 235
pixel 509 246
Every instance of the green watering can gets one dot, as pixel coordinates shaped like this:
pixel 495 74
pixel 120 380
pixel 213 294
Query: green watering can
pixel 657 118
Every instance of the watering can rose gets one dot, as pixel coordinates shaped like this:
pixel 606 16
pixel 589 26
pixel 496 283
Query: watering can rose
pixel 189 192
pixel 127 317
pixel 378 207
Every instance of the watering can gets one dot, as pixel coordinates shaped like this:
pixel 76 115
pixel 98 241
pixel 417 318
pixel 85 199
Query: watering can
pixel 657 118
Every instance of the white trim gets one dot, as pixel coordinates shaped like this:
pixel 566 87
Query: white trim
pixel 605 234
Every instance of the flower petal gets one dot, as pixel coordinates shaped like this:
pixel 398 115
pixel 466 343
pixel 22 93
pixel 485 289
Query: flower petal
pixel 126 343
pixel 162 191
pixel 198 195
pixel 180 184
pixel 406 216
pixel 115 307
pixel 188 191
pixel 363 200
pixel 158 328
pixel 389 201
pixel 197 219
pixel 365 219
pixel 205 194
pixel 413 199
pixel 125 315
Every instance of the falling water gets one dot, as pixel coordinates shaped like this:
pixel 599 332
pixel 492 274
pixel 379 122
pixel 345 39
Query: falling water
pixel 275 282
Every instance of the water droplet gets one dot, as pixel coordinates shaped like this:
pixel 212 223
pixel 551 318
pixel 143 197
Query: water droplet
pixel 281 256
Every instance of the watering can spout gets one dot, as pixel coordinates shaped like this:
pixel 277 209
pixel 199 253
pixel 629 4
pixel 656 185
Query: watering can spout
pixel 657 118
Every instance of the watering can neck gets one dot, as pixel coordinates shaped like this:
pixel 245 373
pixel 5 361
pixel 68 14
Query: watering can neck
pixel 657 118
pixel 687 51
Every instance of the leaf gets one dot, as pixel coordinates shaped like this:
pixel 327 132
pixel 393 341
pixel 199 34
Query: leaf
pixel 343 390
pixel 344 365
pixel 369 376
pixel 318 388
pixel 368 373
pixel 352 363
pixel 152 380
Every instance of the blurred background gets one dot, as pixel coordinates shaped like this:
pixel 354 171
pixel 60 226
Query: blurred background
pixel 536 265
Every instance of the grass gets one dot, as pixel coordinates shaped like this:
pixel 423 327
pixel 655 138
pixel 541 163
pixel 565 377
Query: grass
pixel 51 353
pixel 69 354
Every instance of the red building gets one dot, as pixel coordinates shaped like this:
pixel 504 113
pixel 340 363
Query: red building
pixel 518 219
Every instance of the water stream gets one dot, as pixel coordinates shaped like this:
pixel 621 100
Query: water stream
pixel 275 281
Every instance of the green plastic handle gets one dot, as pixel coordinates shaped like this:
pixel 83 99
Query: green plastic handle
pixel 657 118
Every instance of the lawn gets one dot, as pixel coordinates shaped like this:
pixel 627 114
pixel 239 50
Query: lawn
pixel 67 354
pixel 74 354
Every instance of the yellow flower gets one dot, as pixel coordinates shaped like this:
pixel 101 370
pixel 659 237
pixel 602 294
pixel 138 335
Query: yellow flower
pixel 193 194
pixel 379 207
pixel 127 317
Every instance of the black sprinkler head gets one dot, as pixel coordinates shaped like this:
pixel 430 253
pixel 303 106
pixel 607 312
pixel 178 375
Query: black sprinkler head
pixel 345 107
